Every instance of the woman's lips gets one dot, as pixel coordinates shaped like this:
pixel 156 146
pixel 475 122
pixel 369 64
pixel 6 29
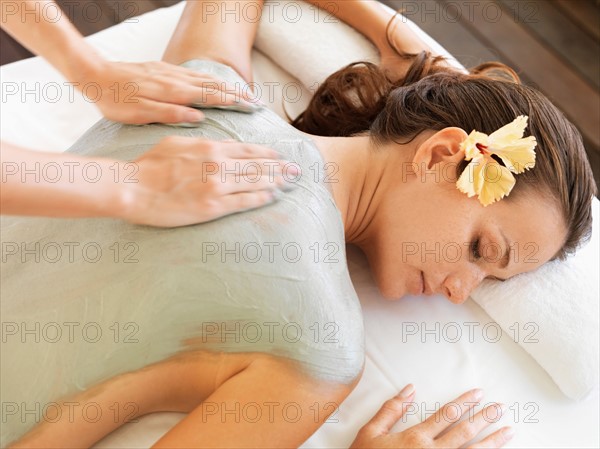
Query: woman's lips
pixel 426 289
pixel 419 286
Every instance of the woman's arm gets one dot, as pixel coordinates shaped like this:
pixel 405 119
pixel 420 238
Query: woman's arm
pixel 218 31
pixel 269 404
pixel 371 18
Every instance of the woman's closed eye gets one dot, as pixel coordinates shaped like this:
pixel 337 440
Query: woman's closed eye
pixel 475 250
pixel 476 253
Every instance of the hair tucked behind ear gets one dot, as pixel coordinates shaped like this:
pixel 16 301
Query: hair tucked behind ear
pixel 433 96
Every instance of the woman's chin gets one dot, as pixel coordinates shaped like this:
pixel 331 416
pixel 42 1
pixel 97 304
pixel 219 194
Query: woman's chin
pixel 391 293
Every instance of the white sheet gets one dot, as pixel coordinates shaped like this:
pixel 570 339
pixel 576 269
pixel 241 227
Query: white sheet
pixel 440 370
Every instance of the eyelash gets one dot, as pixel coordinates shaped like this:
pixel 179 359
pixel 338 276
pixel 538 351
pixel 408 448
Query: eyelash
pixel 475 249
pixel 477 255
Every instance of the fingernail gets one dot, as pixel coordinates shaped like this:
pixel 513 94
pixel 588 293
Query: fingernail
pixel 406 391
pixel 193 116
pixel 478 394
pixel 508 433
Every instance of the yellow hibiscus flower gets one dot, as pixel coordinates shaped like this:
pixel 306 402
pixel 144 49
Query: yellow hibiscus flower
pixel 484 176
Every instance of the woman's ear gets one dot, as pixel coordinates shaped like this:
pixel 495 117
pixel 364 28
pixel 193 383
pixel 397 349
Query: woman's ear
pixel 443 146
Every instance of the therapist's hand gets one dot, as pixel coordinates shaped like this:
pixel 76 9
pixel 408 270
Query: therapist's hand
pixel 185 180
pixel 428 434
pixel 153 92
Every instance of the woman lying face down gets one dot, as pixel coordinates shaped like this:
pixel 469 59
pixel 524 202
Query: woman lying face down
pixel 189 301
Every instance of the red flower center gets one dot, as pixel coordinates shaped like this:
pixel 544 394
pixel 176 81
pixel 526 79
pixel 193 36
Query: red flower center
pixel 481 147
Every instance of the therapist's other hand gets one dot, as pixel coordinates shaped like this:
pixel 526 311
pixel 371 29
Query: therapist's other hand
pixel 435 431
pixel 185 180
pixel 154 92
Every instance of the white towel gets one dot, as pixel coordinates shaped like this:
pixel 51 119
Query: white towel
pixel 555 310
pixel 551 312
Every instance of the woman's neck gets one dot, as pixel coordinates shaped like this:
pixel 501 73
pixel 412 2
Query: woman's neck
pixel 358 182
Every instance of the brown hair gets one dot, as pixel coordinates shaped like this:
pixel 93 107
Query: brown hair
pixel 432 96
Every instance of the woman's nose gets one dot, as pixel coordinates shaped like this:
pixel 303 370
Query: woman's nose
pixel 458 287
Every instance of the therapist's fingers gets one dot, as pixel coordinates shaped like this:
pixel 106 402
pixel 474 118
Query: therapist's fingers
pixel 239 175
pixel 185 90
pixel 497 439
pixel 242 201
pixel 242 150
pixel 250 183
pixel 146 111
pixel 203 79
pixel 214 174
pixel 469 428
pixel 242 91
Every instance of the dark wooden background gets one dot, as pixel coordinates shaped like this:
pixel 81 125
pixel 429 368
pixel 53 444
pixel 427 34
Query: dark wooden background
pixel 554 45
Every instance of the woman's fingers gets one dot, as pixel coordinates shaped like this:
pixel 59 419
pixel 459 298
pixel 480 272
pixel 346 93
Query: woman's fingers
pixel 390 412
pixel 451 412
pixel 497 439
pixel 469 428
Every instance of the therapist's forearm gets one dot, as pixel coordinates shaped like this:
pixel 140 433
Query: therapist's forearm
pixel 60 185
pixel 44 29
pixel 370 18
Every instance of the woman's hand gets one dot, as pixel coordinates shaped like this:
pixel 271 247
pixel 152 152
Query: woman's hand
pixel 139 93
pixel 185 180
pixel 435 431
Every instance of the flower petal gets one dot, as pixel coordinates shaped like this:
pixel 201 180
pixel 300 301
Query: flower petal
pixel 518 156
pixel 509 133
pixel 469 144
pixel 465 182
pixel 493 181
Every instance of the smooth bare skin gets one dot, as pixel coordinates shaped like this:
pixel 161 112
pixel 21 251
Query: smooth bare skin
pixel 176 183
pixel 202 384
pixel 373 200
